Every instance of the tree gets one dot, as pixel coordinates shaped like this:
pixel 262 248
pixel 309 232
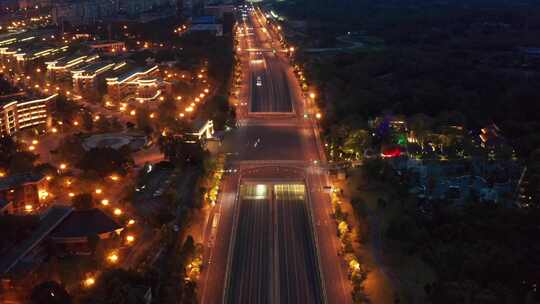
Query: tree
pixel 143 121
pixel 219 111
pixel 87 121
pixel 22 162
pixel 420 125
pixel 83 201
pixel 71 149
pixel 65 110
pixel 118 286
pixel 105 161
pixel 49 292
pixel 8 147
pixel 356 142
pixel 180 152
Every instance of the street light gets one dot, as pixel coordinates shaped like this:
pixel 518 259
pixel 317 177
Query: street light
pixel 112 258
pixel 130 239
pixel 105 202
pixel 312 95
pixel 318 115
pixel 88 282
pixel 117 211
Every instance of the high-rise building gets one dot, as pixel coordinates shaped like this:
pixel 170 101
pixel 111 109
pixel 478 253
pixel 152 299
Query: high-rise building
pixel 84 11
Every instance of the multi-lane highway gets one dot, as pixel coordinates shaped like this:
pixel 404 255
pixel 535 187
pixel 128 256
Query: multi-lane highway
pixel 251 270
pixel 280 246
pixel 298 268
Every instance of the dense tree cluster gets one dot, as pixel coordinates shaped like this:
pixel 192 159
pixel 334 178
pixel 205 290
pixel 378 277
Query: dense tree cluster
pixel 106 161
pixel 482 252
pixel 13 158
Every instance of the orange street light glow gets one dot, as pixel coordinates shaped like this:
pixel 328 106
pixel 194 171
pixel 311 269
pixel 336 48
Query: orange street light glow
pixel 105 202
pixel 117 211
pixel 89 282
pixel 130 239
pixel 113 258
pixel 131 222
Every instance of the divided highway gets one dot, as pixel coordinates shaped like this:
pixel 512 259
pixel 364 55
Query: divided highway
pixel 275 242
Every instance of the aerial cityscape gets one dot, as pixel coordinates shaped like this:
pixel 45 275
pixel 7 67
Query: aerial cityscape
pixel 269 151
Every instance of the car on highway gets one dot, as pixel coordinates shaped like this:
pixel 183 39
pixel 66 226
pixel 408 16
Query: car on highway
pixel 259 81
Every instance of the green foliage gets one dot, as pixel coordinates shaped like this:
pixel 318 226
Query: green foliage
pixel 13 158
pixel 180 152
pixel 486 246
pixel 70 149
pixel 65 110
pixel 105 161
pixel 118 286
pixel 219 111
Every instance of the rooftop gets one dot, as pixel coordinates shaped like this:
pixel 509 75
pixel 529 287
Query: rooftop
pixel 133 74
pixel 48 221
pixel 95 68
pixel 84 223
pixel 19 179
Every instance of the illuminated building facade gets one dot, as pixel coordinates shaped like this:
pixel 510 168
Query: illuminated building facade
pixel 140 84
pixel 20 112
pixel 86 77
pixel 24 193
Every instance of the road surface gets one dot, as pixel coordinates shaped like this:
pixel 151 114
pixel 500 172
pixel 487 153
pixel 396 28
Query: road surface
pixel 283 248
